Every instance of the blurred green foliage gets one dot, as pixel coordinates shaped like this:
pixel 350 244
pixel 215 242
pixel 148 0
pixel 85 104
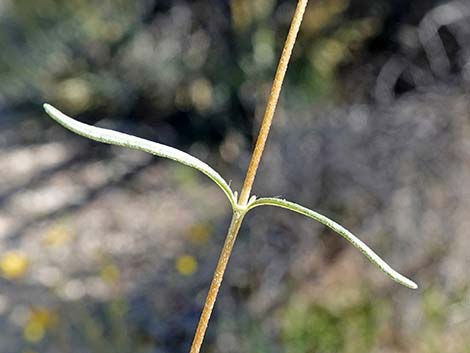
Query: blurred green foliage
pixel 168 61
pixel 317 328
pixel 204 67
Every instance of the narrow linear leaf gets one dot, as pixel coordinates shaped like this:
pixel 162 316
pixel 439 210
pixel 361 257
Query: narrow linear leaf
pixel 137 143
pixel 359 244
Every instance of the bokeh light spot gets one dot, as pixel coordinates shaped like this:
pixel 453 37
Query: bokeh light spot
pixel 186 265
pixel 14 264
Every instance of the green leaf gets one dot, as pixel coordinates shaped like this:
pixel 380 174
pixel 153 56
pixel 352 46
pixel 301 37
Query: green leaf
pixel 137 143
pixel 359 244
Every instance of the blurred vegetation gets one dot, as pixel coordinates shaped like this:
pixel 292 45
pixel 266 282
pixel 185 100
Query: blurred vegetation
pixel 196 73
pixel 316 328
pixel 168 61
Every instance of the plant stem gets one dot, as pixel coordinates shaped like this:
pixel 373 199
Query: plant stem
pixel 240 209
pixel 272 101
pixel 232 233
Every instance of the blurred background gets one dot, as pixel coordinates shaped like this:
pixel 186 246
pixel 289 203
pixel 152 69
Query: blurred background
pixel 108 250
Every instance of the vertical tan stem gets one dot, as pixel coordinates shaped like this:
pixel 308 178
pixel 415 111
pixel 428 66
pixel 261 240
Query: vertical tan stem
pixel 250 177
pixel 217 281
pixel 272 102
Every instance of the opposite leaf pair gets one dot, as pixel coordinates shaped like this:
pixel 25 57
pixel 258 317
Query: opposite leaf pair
pixel 121 139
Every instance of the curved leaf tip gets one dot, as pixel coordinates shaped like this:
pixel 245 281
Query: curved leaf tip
pixel 356 242
pixel 137 143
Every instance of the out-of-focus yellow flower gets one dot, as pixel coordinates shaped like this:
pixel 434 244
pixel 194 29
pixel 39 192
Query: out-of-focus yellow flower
pixel 110 273
pixel 14 264
pixel 33 332
pixel 57 235
pixel 44 316
pixel 39 321
pixel 200 233
pixel 186 265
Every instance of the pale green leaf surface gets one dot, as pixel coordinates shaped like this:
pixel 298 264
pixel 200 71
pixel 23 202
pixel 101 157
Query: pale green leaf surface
pixel 359 244
pixel 137 143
